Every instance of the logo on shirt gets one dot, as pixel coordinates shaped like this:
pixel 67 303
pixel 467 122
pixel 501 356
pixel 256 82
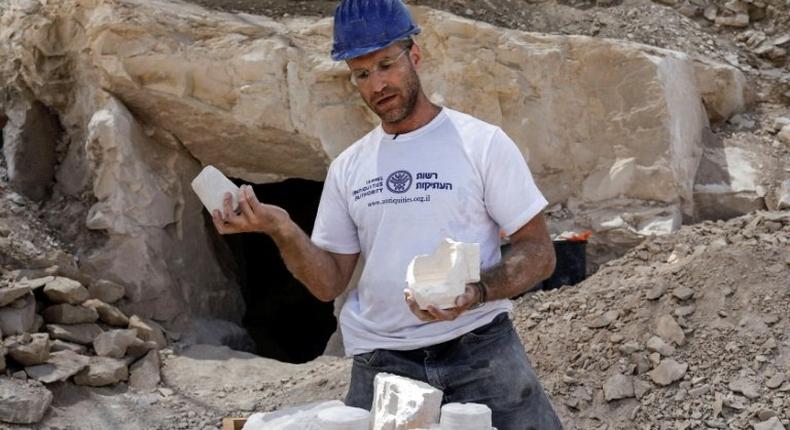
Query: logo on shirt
pixel 399 182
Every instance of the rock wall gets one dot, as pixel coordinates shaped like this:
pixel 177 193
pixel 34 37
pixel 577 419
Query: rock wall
pixel 148 91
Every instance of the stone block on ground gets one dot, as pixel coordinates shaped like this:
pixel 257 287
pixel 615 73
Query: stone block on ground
pixel 19 317
pixel 106 291
pixel 23 402
pixel 656 344
pixel 148 330
pixel 60 366
pixel 144 374
pixel 28 349
pixel 83 334
pixel 466 416
pixel 108 313
pixel 294 418
pixel 401 403
pixel 102 371
pixel 113 343
pixel 343 418
pixel 65 290
pixel 65 313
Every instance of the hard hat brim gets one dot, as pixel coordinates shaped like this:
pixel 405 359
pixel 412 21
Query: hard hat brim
pixel 348 54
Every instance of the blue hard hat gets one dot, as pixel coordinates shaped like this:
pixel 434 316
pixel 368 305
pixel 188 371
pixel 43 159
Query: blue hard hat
pixel 364 26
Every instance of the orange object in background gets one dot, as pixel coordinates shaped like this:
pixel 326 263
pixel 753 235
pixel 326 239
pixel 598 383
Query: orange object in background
pixel 580 237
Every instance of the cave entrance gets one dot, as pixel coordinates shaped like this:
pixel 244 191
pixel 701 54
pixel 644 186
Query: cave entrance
pixel 286 322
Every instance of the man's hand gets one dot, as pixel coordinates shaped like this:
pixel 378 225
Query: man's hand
pixel 462 303
pixel 253 215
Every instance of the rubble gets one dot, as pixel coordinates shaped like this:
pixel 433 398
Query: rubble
pixel 102 371
pixel 22 402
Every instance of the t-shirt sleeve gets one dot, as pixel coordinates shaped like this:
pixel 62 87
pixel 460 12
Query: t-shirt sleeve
pixel 511 197
pixel 334 230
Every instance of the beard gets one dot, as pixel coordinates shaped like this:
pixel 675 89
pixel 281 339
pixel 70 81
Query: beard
pixel 404 103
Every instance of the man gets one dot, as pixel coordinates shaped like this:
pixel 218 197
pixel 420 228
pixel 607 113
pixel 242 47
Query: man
pixel 425 174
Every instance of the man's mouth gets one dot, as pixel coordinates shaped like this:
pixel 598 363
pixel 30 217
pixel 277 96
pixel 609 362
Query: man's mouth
pixel 386 99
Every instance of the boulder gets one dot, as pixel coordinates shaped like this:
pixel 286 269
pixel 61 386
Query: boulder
pixel 144 374
pixel 65 313
pixel 403 403
pixel 82 334
pixel 27 349
pixel 23 402
pixel 60 366
pixel 65 290
pixel 102 371
pixel 106 291
pixel 19 317
pixel 656 344
pixel 148 330
pixel 108 313
pixel 113 343
pixel 13 292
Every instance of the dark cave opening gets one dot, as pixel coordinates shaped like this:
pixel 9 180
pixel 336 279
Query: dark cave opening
pixel 286 322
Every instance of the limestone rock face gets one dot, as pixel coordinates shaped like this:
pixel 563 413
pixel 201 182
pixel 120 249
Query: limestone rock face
pixel 401 403
pixel 439 278
pixel 149 92
pixel 22 402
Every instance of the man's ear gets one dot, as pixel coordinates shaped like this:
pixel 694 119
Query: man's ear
pixel 416 55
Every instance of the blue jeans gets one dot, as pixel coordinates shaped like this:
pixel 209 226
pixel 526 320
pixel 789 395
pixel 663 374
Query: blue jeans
pixel 487 365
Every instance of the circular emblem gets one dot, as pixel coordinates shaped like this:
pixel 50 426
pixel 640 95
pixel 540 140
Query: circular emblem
pixel 399 182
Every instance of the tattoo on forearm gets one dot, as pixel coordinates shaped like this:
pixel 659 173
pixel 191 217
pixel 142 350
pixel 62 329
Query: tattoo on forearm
pixel 524 265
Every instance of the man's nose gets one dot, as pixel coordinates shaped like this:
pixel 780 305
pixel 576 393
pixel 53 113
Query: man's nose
pixel 377 81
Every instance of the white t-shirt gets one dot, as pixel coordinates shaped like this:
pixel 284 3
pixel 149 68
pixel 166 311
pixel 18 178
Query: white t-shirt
pixel 394 197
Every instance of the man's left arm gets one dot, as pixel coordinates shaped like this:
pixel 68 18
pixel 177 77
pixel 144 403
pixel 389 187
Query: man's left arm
pixel 529 260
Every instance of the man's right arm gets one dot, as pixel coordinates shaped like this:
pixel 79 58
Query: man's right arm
pixel 325 274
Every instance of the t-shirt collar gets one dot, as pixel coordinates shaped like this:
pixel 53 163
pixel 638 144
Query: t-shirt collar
pixel 435 122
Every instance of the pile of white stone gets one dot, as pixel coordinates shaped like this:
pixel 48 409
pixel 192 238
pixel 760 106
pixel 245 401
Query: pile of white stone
pixel 399 403
pixel 55 328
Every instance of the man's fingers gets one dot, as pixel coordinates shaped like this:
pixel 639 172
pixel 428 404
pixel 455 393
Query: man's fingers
pixel 252 198
pixel 415 308
pixel 219 224
pixel 444 314
pixel 227 205
pixel 244 204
